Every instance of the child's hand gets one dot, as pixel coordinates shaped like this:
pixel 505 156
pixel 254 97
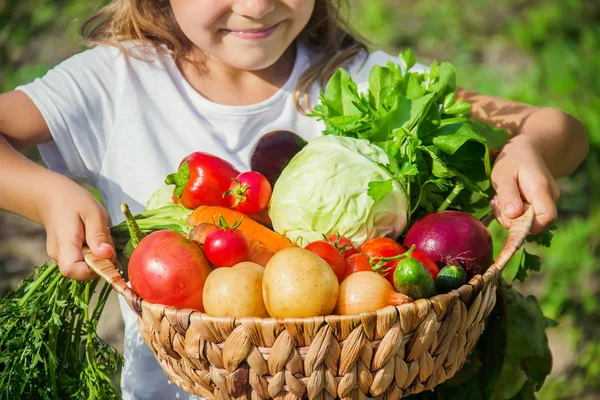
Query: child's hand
pixel 520 173
pixel 74 217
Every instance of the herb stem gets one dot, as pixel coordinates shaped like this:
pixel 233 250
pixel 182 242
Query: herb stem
pixel 50 289
pixel 52 339
pixel 457 189
pixel 49 271
pixel 101 301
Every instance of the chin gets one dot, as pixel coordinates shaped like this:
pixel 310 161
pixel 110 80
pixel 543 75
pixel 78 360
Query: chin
pixel 249 60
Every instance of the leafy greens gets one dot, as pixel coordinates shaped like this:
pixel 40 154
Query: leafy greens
pixel 440 154
pixel 49 348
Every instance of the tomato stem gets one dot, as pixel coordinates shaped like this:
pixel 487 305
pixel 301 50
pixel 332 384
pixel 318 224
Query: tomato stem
pixel 223 224
pixel 239 192
pixel 336 244
pixel 377 263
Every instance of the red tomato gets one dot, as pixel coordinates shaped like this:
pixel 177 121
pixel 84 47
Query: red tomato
pixel 201 180
pixel 356 263
pixel 249 192
pixel 382 247
pixel 424 259
pixel 226 247
pixel 329 253
pixel 167 268
pixel 343 244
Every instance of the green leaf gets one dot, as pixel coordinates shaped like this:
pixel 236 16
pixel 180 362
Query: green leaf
pixel 438 167
pixel 449 100
pixel 414 89
pixel 450 136
pixel 407 59
pixel 377 190
pixel 381 82
pixel 407 169
pixel 528 358
pixel 446 82
pixel 339 97
pixel 460 107
pixel 529 262
pixel 543 238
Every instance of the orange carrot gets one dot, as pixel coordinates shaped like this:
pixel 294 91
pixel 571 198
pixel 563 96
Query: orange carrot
pixel 252 229
pixel 257 252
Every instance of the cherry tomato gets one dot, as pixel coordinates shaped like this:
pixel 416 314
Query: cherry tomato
pixel 168 268
pixel 329 253
pixel 343 244
pixel 382 247
pixel 356 263
pixel 424 259
pixel 249 193
pixel 226 247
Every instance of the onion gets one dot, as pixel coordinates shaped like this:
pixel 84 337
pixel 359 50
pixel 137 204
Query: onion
pixel 453 238
pixel 367 291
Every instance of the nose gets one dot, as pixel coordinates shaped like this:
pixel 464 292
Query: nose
pixel 254 9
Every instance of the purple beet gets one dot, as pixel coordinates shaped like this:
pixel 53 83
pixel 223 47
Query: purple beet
pixel 453 238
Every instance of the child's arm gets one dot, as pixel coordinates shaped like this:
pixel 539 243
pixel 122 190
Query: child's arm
pixel 69 213
pixel 545 143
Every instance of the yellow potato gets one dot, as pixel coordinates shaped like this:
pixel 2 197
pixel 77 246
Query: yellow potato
pixel 235 291
pixel 298 283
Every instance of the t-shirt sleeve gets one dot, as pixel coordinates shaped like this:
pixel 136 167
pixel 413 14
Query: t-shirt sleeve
pixel 78 100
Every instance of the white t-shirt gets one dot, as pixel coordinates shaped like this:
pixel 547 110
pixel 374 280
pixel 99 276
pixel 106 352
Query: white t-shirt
pixel 124 124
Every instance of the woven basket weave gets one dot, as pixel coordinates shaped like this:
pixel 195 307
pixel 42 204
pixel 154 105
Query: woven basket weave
pixel 390 353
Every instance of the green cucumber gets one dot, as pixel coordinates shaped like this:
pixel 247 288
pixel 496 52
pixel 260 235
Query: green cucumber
pixel 450 278
pixel 413 279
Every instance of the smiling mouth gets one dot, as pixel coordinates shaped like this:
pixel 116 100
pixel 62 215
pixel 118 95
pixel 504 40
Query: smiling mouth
pixel 253 34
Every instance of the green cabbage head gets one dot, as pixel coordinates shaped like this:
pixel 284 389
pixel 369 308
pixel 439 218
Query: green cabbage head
pixel 323 190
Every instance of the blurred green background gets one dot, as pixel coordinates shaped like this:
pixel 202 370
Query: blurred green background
pixel 545 53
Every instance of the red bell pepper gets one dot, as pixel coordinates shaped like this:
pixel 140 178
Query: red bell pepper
pixel 201 181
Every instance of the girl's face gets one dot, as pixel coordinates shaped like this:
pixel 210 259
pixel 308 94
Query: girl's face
pixel 245 34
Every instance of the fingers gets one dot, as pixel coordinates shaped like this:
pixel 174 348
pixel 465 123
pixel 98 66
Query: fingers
pixel 534 185
pixel 500 217
pixel 67 251
pixel 543 197
pixel 65 242
pixel 508 203
pixel 71 264
pixel 97 235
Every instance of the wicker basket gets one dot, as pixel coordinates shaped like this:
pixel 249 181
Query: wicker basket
pixel 393 352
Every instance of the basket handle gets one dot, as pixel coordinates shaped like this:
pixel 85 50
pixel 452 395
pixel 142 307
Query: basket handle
pixel 517 233
pixel 108 271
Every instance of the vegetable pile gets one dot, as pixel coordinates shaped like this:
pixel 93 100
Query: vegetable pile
pixel 385 208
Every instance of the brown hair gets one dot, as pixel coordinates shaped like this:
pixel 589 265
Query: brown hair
pixel 152 22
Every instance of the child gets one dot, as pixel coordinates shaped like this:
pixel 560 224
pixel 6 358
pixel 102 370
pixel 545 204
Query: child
pixel 169 78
